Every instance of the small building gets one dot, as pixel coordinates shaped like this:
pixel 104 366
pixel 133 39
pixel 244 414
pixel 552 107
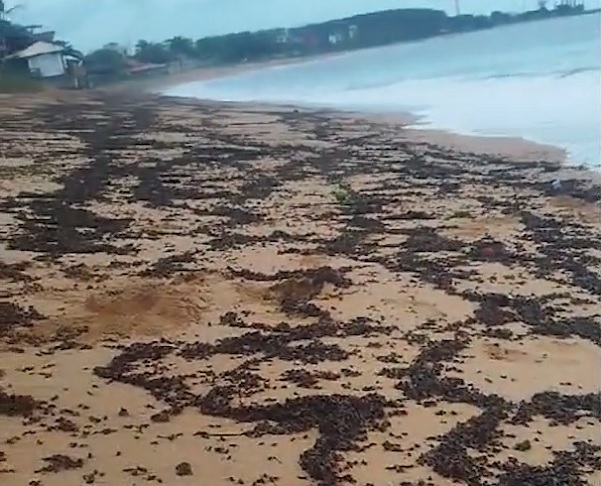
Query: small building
pixel 353 30
pixel 53 63
pixel 45 60
pixel 335 38
pixel 283 36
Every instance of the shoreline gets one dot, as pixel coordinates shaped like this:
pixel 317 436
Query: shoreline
pixel 287 296
pixel 502 146
pixel 572 152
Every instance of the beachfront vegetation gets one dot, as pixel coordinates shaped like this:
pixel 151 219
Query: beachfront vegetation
pixel 107 61
pixel 12 37
pixel 10 33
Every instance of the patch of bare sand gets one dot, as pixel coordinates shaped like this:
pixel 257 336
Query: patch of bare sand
pixel 518 370
pixel 126 307
pixel 514 148
pixel 535 444
pixel 395 298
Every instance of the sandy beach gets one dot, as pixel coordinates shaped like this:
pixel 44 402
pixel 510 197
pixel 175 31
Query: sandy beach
pixel 200 293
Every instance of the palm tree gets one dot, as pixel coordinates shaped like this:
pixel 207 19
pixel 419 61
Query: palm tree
pixel 69 50
pixel 6 11
pixel 5 27
pixel 142 45
pixel 4 24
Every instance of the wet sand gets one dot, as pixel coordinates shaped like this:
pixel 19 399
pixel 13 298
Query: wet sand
pixel 201 293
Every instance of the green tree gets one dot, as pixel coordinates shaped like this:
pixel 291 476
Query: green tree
pixel 207 48
pixel 152 52
pixel 105 62
pixel 243 46
pixel 8 31
pixel 181 46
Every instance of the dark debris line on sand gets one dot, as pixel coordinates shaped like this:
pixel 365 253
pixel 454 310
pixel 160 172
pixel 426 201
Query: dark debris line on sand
pixel 59 223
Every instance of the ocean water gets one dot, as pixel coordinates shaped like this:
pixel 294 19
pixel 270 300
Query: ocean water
pixel 538 80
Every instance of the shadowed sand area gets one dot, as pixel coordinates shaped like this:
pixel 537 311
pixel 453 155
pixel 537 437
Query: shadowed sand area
pixel 189 297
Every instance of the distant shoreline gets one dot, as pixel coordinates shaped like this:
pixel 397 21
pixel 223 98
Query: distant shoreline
pixel 203 73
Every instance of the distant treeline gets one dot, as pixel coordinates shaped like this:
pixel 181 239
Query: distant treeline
pixel 360 31
pixel 352 33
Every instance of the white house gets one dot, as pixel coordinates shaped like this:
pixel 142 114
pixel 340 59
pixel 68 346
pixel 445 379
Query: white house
pixel 336 38
pixel 44 59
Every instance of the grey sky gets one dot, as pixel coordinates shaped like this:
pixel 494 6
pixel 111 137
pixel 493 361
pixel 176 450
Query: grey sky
pixel 89 24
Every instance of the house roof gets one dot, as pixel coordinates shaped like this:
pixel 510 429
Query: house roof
pixel 37 49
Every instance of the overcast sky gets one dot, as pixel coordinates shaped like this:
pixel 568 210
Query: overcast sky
pixel 92 23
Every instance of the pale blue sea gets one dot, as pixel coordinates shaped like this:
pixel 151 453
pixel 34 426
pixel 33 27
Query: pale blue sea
pixel 539 80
